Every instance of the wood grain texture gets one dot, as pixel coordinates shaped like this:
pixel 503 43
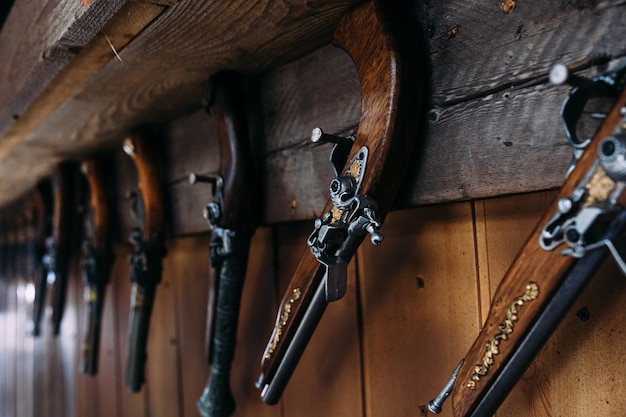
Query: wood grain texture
pixel 164 354
pixel 418 306
pixel 560 379
pixel 165 66
pixel 189 268
pixel 327 379
pixel 258 305
pixel 546 269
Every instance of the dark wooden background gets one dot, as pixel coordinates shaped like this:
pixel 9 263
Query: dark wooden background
pixel 414 304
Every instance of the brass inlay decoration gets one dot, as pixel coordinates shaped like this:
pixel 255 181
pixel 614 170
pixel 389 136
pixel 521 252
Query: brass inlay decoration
pixel 137 297
pixel 599 188
pixel 278 330
pixel 492 347
pixel 336 214
pixel 355 169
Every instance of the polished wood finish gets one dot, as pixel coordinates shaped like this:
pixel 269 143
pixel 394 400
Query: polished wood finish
pixel 241 192
pixel 392 81
pixel 533 264
pixel 97 171
pixel 145 150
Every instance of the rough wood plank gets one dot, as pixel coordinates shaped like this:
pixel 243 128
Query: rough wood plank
pixel 165 66
pixel 38 39
pixel 419 306
pixel 515 47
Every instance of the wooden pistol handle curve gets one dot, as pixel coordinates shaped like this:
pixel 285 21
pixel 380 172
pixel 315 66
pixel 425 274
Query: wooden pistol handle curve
pixel 236 162
pixel 62 202
pixel 383 41
pixel 526 288
pixel 96 172
pixel 145 154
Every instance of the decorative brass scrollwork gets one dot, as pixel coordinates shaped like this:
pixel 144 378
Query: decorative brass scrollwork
pixel 278 331
pixel 492 347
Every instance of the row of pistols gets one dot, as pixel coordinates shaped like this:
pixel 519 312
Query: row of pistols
pixel 385 43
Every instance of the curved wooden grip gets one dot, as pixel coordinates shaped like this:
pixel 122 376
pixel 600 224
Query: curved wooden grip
pixel 240 201
pixel 382 40
pixel 528 285
pixel 97 172
pixel 143 147
pixel 62 205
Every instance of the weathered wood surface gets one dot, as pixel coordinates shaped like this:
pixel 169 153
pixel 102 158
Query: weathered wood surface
pixel 102 93
pixel 497 132
pixel 493 127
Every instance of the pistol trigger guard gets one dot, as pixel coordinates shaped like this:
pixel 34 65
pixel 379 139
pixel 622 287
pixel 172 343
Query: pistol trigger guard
pixel 339 156
pixel 336 276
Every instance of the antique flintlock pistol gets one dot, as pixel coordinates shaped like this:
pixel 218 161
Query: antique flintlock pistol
pixel 97 256
pixel 58 244
pixel 232 216
pixel 382 39
pixel 42 204
pixel 149 250
pixel 584 223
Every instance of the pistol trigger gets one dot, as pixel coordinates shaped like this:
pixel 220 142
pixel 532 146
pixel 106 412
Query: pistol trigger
pixel 336 277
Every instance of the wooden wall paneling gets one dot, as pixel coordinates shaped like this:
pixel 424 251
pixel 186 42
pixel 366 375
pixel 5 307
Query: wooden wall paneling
pixel 419 306
pixel 163 381
pixel 109 377
pixel 68 343
pixel 11 356
pixel 19 381
pixel 574 374
pixel 192 146
pixel 189 271
pixel 4 348
pixel 328 377
pixel 131 404
pixel 25 361
pixel 502 227
pixel 256 321
pixel 86 395
pixel 39 372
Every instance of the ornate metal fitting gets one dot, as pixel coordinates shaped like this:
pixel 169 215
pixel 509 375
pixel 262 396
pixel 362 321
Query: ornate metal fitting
pixel 335 237
pixel 49 259
pixel 605 85
pixel 582 218
pixel 221 238
pixel 145 259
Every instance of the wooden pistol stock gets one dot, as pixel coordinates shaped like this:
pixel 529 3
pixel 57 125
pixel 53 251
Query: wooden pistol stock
pixel 232 217
pixel 146 259
pixel 97 257
pixel 583 224
pixel 382 39
pixel 58 245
